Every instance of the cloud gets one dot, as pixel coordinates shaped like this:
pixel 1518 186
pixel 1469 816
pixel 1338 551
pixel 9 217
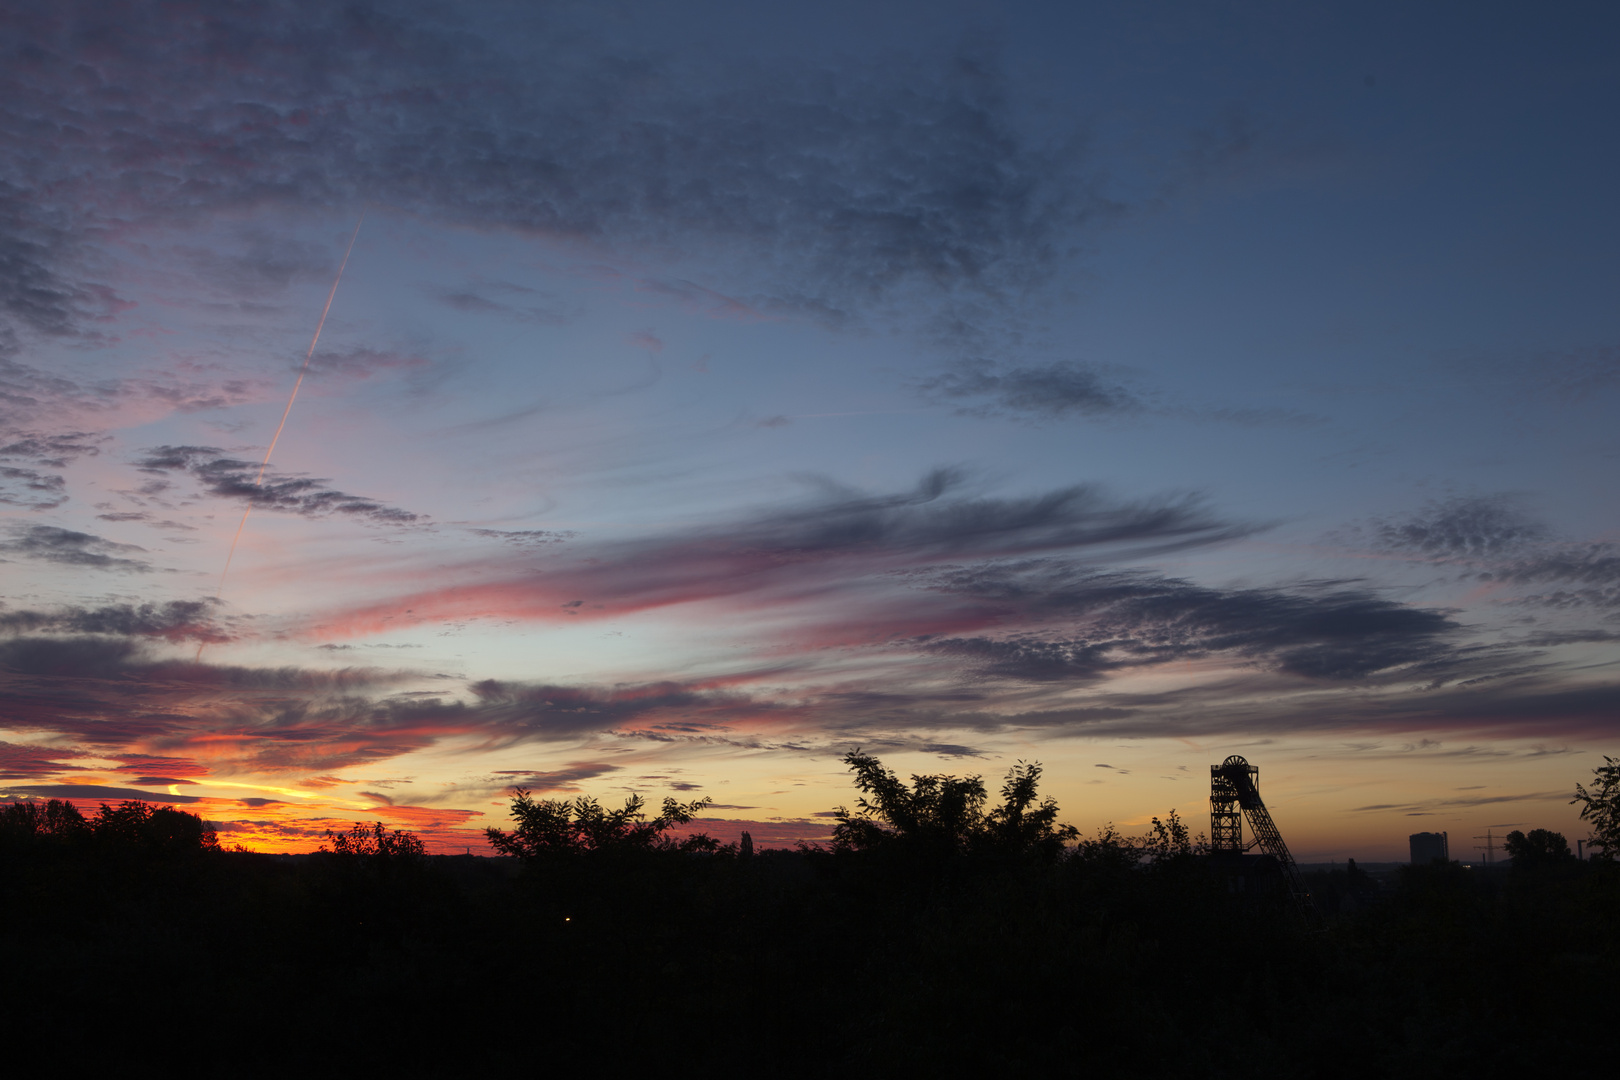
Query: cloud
pixel 1591 570
pixel 1473 528
pixel 31 489
pixel 174 620
pixel 161 718
pixel 250 259
pixel 518 302
pixel 27 453
pixel 696 298
pixel 235 479
pixel 47 543
pixel 52 451
pixel 842 540
pixel 96 792
pixel 567 778
pixel 114 693
pixel 646 339
pixel 358 362
pixel 1433 805
pixel 857 183
pixel 1589 564
pixel 168 721
pixel 527 538
pixel 1109 621
pixel 1053 391
pixel 146 519
pixel 28 762
pixel 523 711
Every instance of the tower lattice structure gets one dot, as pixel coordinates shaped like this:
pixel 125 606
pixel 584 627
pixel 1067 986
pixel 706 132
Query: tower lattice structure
pixel 1234 793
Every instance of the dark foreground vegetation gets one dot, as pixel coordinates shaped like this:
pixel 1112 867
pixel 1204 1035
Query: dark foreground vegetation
pixel 936 936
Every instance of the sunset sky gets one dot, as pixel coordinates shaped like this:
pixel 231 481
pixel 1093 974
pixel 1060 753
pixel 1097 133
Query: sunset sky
pixel 713 388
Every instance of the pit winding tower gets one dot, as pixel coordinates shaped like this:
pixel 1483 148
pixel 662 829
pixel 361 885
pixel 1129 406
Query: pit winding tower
pixel 1234 793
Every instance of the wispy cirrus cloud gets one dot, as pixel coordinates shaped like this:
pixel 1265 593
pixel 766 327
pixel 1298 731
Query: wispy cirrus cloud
pixel 361 362
pixel 506 299
pixel 825 544
pixel 22 762
pixel 878 180
pixel 1039 392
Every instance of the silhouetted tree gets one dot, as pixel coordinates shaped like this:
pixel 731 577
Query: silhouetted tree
pixel 1108 850
pixel 943 815
pixel 553 827
pixel 32 821
pixel 1539 847
pixel 1167 839
pixel 140 826
pixel 1022 826
pixel 375 843
pixel 1601 807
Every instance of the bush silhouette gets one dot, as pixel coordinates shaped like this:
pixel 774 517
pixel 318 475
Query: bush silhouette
pixel 129 827
pixel 1601 806
pixel 374 843
pixel 558 827
pixel 945 815
pixel 32 822
pixel 1539 847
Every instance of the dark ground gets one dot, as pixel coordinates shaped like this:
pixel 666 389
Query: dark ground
pixel 795 963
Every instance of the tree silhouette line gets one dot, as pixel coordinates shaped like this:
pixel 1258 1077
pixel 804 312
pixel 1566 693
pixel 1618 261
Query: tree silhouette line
pixel 944 928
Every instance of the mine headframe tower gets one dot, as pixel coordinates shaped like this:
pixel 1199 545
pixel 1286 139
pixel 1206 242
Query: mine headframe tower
pixel 1234 793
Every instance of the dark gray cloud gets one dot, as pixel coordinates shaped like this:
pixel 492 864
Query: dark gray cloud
pixel 1588 573
pixel 359 362
pixel 95 791
pixel 1487 527
pixel 527 538
pixel 52 451
pixel 856 183
pixel 1583 564
pixel 233 478
pixel 146 519
pixel 27 762
pixel 1037 392
pixel 26 454
pixel 110 695
pixel 176 620
pixel 941 517
pixel 47 543
pixel 545 711
pixel 1500 543
pixel 1107 621
pixel 567 778
pixel 31 489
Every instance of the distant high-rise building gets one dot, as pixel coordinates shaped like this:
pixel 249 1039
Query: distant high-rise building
pixel 1429 846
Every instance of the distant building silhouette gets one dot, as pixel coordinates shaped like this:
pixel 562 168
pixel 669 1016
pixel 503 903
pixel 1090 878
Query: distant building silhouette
pixel 1429 846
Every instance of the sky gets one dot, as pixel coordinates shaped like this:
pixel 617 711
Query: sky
pixel 713 388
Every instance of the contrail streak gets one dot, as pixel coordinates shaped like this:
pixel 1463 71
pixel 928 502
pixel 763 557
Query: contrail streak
pixel 314 341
